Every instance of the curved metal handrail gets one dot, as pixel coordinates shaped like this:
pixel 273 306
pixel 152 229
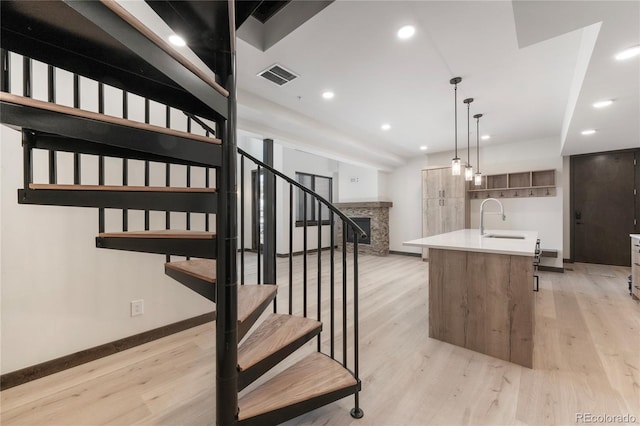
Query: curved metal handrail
pixel 307 190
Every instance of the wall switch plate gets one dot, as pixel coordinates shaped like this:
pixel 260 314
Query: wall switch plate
pixel 137 307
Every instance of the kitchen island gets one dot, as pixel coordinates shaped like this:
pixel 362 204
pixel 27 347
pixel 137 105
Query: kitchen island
pixel 481 291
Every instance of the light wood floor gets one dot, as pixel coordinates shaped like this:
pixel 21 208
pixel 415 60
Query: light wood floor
pixel 587 360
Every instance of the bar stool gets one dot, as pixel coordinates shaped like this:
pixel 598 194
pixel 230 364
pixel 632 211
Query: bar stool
pixel 536 262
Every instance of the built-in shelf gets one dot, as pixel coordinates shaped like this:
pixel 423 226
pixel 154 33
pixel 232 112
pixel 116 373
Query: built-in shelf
pixel 537 183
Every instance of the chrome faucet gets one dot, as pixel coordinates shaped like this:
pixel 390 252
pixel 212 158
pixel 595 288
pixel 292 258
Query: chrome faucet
pixel 482 213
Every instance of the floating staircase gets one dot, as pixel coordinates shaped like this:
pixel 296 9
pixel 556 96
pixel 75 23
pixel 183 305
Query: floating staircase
pixel 247 348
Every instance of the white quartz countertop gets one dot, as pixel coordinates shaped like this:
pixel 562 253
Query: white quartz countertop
pixel 470 240
pixel 636 236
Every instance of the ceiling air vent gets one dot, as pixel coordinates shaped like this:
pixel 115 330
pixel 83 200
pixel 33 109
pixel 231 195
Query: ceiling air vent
pixel 278 75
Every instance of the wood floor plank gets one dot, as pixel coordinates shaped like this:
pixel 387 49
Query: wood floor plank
pixel 408 378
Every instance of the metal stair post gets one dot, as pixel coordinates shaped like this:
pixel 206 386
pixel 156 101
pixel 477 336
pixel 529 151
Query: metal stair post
pixel 269 227
pixel 227 235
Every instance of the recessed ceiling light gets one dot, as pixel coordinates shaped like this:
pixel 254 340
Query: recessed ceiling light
pixel 406 32
pixel 602 104
pixel 628 53
pixel 385 126
pixel 588 132
pixel 177 40
pixel 423 148
pixel 328 95
pixel 485 137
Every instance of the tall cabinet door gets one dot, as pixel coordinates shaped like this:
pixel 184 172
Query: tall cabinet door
pixel 433 210
pixel 434 183
pixel 444 203
pixel 453 214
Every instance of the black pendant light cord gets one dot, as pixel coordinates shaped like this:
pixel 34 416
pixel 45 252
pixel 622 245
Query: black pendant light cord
pixel 468 102
pixel 468 135
pixel 478 141
pixel 455 82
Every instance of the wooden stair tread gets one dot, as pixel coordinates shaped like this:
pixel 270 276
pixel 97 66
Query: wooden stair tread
pixel 313 376
pixel 64 187
pixel 63 109
pixel 204 269
pixel 251 297
pixel 162 233
pixel 271 336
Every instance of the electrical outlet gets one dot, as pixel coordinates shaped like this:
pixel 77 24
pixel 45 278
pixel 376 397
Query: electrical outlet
pixel 137 307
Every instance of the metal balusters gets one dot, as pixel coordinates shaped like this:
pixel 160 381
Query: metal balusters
pixel 125 162
pixel 290 249
pixel 241 224
pixel 51 97
pixel 188 218
pixel 304 254
pixel 101 214
pixel 76 104
pixel 27 135
pixel 207 184
pixel 348 226
pixel 5 81
pixel 355 412
pixel 344 294
pixel 167 174
pixel 319 304
pixel 27 77
pixel 257 212
pixel 147 120
pixel 332 283
pixel 27 157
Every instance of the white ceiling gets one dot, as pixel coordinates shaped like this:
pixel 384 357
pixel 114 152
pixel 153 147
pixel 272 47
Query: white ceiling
pixel 533 67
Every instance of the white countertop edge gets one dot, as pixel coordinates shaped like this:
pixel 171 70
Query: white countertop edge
pixel 470 240
pixel 636 236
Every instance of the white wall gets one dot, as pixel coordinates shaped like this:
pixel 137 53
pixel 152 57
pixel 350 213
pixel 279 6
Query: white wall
pixel 541 214
pixel 405 192
pixel 61 294
pixel 356 183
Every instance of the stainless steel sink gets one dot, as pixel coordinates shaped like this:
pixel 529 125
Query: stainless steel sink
pixel 508 237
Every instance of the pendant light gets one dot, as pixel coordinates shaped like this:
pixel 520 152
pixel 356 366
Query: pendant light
pixel 455 163
pixel 468 170
pixel 478 175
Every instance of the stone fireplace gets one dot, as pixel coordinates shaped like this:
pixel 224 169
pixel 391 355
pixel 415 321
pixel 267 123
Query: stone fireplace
pixel 375 214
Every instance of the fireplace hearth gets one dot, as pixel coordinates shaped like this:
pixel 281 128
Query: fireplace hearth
pixel 373 218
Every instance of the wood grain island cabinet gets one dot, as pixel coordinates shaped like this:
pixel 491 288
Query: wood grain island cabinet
pixel 481 292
